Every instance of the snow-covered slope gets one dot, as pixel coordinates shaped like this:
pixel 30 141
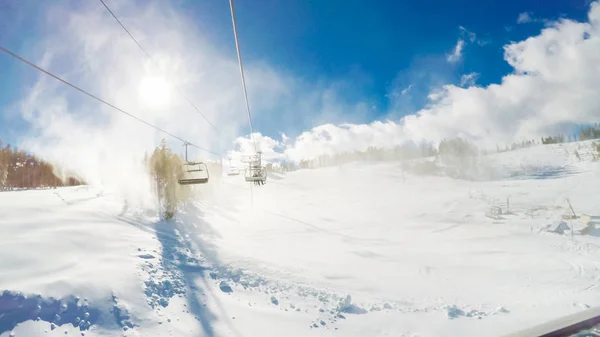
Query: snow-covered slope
pixel 356 250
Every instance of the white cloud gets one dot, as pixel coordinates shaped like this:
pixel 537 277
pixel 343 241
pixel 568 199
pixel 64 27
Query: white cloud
pixel 330 139
pixel 284 137
pixel 406 90
pixel 524 18
pixel 271 149
pixel 468 79
pixel 472 37
pixel 456 55
pixel 553 83
pixel 553 86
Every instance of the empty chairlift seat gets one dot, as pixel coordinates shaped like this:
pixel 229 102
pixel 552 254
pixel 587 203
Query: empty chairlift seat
pixel 233 171
pixel 194 173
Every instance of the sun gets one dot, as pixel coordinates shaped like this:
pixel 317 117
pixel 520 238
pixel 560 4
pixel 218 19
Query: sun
pixel 155 92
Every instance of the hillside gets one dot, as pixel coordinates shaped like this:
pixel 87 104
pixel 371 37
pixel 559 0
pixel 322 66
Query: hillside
pixel 354 250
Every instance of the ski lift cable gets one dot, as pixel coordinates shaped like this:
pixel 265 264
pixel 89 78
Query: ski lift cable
pixel 152 60
pixel 101 100
pixel 239 55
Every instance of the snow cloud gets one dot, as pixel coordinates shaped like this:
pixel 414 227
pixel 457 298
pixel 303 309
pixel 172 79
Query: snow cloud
pixel 330 139
pixel 82 43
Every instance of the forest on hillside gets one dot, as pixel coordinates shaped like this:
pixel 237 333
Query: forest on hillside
pixel 22 170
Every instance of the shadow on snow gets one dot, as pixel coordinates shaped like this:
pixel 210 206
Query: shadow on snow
pixel 546 172
pixel 186 256
pixel 16 308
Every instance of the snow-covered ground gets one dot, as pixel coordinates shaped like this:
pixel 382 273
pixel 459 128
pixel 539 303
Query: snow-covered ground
pixel 356 250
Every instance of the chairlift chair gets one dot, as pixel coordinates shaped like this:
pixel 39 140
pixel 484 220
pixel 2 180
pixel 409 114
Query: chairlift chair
pixel 194 173
pixel 256 173
pixel 233 171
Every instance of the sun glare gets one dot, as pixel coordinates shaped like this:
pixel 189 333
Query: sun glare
pixel 154 91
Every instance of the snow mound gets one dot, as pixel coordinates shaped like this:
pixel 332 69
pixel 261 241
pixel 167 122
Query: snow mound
pixel 347 307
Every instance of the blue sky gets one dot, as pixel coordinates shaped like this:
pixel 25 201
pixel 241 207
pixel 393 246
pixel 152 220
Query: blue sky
pixel 379 47
pixel 382 45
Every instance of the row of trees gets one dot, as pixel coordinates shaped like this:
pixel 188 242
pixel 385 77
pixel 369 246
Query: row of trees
pixel 591 132
pixel 595 153
pixel 448 151
pixel 558 139
pixel 585 133
pixel 458 157
pixel 371 154
pixel 516 146
pixel 21 170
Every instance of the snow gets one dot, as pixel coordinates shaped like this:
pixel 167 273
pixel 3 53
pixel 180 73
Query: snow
pixel 356 250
